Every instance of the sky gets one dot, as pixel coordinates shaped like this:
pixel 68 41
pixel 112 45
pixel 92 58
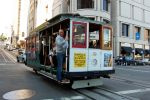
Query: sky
pixel 7 14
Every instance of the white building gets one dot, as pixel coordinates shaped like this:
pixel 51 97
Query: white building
pixel 20 23
pixel 23 19
pixel 32 14
pixel 95 9
pixel 39 12
pixel 44 11
pixel 131 24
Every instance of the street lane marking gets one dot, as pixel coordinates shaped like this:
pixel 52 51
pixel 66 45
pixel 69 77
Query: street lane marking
pixel 134 70
pixel 4 57
pixel 68 98
pixel 131 81
pixel 2 64
pixel 134 91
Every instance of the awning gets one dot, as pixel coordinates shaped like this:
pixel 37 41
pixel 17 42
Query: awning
pixel 127 49
pixel 147 51
pixel 139 51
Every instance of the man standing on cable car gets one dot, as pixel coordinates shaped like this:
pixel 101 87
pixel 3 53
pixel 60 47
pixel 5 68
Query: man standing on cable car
pixel 61 45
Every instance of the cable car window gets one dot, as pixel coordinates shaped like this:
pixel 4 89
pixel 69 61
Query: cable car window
pixel 107 37
pixel 79 35
pixel 94 41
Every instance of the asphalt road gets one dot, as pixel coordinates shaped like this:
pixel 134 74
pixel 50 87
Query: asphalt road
pixel 19 82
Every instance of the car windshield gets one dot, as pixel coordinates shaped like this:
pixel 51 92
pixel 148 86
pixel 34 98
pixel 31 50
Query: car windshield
pixel 128 58
pixel 119 57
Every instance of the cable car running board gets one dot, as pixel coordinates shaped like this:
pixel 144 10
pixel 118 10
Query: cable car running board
pixel 87 83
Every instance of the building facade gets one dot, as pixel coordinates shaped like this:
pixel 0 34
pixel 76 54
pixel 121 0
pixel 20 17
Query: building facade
pixel 99 10
pixel 39 12
pixel 23 22
pixel 16 24
pixel 44 10
pixel 32 16
pixel 131 24
pixel 19 28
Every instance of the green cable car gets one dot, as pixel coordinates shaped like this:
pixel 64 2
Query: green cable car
pixel 89 54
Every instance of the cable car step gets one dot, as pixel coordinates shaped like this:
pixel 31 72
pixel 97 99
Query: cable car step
pixel 87 83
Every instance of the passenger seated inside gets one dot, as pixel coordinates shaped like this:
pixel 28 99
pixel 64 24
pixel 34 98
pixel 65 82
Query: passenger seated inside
pixel 93 44
pixel 52 55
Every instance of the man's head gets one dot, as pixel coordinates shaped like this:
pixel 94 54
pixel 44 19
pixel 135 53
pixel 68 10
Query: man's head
pixel 61 33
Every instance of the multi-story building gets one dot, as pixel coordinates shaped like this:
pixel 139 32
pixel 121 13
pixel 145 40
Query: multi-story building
pixel 19 29
pixel 16 25
pixel 32 15
pixel 39 12
pixel 44 10
pixel 23 22
pixel 131 24
pixel 95 9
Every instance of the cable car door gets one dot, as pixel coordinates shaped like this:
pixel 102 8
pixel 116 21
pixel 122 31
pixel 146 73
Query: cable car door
pixel 94 52
pixel 78 46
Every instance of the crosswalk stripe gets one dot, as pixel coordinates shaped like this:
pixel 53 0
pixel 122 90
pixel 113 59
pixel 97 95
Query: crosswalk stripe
pixel 134 91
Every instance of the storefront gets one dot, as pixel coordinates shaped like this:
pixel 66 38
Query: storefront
pixel 126 49
pixel 147 52
pixel 139 52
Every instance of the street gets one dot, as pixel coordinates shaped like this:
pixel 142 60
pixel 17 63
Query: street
pixel 18 82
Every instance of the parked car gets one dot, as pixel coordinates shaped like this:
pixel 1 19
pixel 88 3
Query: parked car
pixel 21 57
pixel 5 47
pixel 119 60
pixel 143 62
pixel 9 47
pixel 125 60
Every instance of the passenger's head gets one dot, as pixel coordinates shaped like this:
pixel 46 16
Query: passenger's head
pixel 61 33
pixel 94 42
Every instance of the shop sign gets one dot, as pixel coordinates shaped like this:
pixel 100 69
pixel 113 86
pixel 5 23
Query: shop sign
pixel 137 36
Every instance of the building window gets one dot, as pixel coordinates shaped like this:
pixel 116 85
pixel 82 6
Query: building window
pixel 147 35
pixel 137 32
pixel 22 34
pixel 82 4
pixel 125 30
pixel 105 5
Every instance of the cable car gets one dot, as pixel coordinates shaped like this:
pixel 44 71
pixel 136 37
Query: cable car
pixel 89 55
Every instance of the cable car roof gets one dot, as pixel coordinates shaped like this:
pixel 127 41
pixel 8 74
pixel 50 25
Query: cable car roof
pixel 62 17
pixel 75 16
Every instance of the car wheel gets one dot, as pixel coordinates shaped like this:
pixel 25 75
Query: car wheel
pixel 23 60
pixel 17 60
